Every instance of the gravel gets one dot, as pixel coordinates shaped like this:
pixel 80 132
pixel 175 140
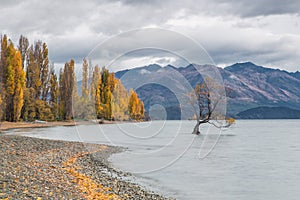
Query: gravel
pixel 32 168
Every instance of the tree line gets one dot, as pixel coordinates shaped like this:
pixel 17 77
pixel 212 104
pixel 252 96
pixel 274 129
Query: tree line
pixel 103 96
pixel 31 90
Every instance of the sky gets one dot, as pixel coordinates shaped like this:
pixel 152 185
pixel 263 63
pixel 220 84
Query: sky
pixel 266 32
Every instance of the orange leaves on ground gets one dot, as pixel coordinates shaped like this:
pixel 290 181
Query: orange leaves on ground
pixel 89 187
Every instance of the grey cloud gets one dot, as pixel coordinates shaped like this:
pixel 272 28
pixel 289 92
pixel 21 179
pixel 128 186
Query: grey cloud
pixel 242 8
pixel 273 55
pixel 73 28
pixel 253 8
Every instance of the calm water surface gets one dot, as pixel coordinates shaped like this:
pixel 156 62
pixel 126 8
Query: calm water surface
pixel 258 159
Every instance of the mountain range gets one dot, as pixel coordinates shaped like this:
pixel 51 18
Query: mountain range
pixel 247 86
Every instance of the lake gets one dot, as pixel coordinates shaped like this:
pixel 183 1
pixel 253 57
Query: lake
pixel 254 159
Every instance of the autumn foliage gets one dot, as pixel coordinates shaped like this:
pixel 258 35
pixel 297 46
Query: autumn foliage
pixel 32 90
pixel 12 81
pixel 108 97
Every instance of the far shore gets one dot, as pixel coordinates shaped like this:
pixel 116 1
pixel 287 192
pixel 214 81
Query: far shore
pixel 4 126
pixel 14 125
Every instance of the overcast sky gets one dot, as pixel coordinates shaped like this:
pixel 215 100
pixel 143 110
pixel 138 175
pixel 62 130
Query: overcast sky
pixel 266 32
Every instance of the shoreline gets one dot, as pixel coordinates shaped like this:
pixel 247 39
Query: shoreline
pixel 5 126
pixel 34 168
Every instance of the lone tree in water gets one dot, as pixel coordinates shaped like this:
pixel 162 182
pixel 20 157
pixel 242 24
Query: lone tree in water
pixel 204 104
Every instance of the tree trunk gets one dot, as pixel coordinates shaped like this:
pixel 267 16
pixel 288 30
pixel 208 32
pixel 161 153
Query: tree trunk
pixel 196 128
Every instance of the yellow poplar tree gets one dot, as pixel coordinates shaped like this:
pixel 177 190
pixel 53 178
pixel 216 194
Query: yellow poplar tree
pixel 66 90
pixel 120 102
pixel 96 81
pixel 15 84
pixel 135 106
pixel 84 84
pixel 54 93
pixel 112 101
pixel 19 88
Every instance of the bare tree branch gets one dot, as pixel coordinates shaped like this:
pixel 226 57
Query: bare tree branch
pixel 202 99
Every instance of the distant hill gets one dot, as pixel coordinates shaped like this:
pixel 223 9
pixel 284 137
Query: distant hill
pixel 252 86
pixel 296 75
pixel 269 113
pixel 247 86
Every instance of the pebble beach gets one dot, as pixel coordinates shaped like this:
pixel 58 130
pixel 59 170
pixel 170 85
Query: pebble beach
pixel 32 168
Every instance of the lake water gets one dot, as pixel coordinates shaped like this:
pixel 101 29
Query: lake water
pixel 257 159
